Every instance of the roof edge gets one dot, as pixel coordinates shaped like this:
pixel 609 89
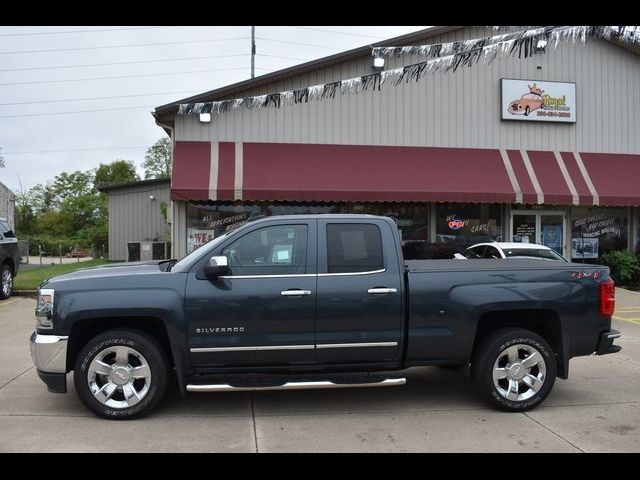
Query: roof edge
pixel 301 68
pixel 151 181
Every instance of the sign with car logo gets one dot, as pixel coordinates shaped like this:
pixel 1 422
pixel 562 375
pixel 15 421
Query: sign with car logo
pixel 538 101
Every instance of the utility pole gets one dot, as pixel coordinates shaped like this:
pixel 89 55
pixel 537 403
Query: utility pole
pixel 253 51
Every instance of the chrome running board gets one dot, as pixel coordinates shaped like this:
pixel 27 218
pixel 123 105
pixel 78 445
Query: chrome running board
pixel 225 387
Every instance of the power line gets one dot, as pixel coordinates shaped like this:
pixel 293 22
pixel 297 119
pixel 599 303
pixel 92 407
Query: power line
pixel 75 111
pixel 125 46
pixel 84 31
pixel 121 76
pixel 295 43
pixel 76 150
pixel 124 63
pixel 101 98
pixel 334 31
pixel 278 56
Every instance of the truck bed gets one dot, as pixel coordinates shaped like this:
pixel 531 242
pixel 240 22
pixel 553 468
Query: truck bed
pixel 452 265
pixel 446 300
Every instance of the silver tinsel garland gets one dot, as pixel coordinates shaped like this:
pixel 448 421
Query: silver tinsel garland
pixel 629 34
pixel 444 57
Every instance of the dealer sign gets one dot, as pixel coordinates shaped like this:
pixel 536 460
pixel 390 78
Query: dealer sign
pixel 537 101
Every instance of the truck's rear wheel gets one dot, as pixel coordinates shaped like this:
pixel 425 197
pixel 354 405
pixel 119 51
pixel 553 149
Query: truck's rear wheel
pixel 514 369
pixel 121 374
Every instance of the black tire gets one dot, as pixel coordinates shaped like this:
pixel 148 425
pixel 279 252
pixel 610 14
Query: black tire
pixel 148 349
pixel 6 282
pixel 493 349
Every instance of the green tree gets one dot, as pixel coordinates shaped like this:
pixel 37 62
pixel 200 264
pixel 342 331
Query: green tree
pixel 70 185
pixel 67 211
pixel 25 215
pixel 157 161
pixel 119 171
pixel 40 197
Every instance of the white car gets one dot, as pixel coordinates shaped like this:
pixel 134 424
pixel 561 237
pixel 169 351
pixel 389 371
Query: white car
pixel 512 250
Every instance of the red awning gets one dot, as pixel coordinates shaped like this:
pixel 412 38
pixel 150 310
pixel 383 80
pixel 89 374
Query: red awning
pixel 615 177
pixel 304 172
pixel 325 173
pixel 190 171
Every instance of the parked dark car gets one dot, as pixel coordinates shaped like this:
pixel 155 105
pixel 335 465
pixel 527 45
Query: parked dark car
pixel 9 259
pixel 315 301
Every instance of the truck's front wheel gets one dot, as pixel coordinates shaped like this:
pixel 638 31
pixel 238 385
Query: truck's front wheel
pixel 6 281
pixel 514 369
pixel 121 374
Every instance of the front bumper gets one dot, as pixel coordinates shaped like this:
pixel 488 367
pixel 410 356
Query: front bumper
pixel 49 354
pixel 605 344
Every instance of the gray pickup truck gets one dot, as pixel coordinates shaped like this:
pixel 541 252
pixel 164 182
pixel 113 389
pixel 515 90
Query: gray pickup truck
pixel 315 301
pixel 9 259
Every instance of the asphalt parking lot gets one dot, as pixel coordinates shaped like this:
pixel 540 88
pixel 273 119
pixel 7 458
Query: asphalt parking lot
pixel 596 410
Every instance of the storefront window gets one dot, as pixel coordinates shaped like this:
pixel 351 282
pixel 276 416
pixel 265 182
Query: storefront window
pixel 468 223
pixel 306 208
pixel 597 230
pixel 411 218
pixel 205 222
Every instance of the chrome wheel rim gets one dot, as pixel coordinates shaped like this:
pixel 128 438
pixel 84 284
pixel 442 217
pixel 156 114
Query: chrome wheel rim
pixel 7 282
pixel 119 377
pixel 519 372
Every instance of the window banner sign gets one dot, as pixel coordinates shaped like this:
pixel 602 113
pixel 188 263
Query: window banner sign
pixel 552 237
pixel 584 248
pixel 197 238
pixel 538 101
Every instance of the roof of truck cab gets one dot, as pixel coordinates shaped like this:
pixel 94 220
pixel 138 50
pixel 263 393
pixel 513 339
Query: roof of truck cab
pixel 322 216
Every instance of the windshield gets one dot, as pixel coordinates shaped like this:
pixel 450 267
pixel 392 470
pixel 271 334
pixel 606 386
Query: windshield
pixel 533 253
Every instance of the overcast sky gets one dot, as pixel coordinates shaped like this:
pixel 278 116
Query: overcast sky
pixel 45 74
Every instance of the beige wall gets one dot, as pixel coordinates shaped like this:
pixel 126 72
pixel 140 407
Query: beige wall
pixel 7 205
pixel 134 217
pixel 460 109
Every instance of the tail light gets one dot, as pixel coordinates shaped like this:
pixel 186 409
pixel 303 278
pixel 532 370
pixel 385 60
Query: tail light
pixel 607 298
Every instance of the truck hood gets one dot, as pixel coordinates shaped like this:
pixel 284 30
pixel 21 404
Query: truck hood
pixel 112 270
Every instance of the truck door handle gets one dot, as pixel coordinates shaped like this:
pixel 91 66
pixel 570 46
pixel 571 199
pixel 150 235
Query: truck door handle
pixel 381 291
pixel 295 293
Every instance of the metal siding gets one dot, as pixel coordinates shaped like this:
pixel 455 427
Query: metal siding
pixel 7 205
pixel 134 217
pixel 179 230
pixel 451 109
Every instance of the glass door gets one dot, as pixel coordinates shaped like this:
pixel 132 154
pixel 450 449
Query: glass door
pixel 551 229
pixel 524 228
pixel 544 228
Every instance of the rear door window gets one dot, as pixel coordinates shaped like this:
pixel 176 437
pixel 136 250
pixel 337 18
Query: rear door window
pixel 354 247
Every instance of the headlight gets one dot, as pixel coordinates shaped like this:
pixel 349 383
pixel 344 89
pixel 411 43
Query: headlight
pixel 44 309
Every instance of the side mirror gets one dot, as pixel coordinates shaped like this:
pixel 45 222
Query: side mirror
pixel 217 267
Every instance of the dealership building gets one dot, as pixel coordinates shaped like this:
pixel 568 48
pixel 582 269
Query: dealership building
pixel 540 147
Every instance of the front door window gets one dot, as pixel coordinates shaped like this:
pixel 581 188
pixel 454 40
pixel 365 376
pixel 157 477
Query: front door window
pixel 277 250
